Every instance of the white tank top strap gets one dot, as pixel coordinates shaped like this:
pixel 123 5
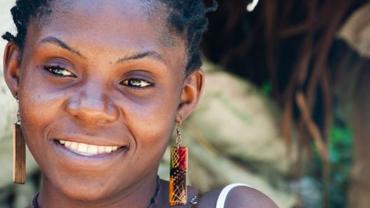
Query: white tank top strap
pixel 225 191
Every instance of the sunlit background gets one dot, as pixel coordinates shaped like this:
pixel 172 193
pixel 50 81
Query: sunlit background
pixel 285 107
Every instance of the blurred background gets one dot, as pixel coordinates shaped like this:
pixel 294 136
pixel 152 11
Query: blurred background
pixel 285 108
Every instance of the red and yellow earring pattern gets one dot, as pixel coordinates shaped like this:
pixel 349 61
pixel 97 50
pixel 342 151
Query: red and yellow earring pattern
pixel 178 172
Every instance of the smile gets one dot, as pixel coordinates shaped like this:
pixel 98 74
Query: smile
pixel 87 149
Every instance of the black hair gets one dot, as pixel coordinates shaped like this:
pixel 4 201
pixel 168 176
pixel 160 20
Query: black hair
pixel 187 17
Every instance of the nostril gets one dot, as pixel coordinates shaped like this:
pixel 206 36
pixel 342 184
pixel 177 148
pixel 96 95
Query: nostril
pixel 92 110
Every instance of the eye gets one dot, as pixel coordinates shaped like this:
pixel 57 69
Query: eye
pixel 136 83
pixel 59 71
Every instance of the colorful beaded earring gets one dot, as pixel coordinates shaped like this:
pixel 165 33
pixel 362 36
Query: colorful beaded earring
pixel 19 152
pixel 178 171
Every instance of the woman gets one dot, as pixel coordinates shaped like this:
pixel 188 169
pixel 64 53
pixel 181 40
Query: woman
pixel 101 86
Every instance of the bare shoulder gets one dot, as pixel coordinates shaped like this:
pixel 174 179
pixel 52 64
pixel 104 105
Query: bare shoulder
pixel 238 197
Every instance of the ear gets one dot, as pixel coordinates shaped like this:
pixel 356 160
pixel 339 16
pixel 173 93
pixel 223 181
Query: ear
pixel 191 91
pixel 12 63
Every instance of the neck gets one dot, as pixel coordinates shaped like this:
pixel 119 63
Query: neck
pixel 135 196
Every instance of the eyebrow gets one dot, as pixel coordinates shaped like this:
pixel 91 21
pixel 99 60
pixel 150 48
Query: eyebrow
pixel 141 55
pixel 135 56
pixel 60 43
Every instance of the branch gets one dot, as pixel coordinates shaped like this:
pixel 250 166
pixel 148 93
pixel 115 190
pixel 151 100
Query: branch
pixel 312 128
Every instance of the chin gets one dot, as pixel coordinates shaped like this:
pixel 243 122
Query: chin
pixel 86 192
pixel 80 188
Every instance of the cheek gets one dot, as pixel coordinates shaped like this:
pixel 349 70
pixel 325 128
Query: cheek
pixel 152 122
pixel 153 118
pixel 39 108
pixel 37 103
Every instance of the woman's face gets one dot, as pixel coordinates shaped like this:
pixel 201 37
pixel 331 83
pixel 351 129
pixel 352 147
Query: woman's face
pixel 100 87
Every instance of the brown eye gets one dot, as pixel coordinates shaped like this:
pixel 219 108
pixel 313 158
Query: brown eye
pixel 59 71
pixel 136 83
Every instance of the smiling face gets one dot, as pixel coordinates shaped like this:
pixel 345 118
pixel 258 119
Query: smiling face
pixel 100 91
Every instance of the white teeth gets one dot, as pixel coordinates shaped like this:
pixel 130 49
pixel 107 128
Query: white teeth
pixel 87 149
pixel 108 149
pixel 101 149
pixel 74 145
pixel 82 148
pixel 68 144
pixel 92 149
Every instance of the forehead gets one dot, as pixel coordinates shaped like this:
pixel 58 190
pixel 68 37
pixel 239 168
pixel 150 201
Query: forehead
pixel 111 17
pixel 112 9
pixel 112 25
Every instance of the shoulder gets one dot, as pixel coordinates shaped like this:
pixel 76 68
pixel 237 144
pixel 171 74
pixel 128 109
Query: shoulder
pixel 237 197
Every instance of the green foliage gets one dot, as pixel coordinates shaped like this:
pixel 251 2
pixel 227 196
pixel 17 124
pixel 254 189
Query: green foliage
pixel 266 88
pixel 340 155
pixel 340 147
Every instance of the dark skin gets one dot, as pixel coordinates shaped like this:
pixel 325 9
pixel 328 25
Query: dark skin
pixel 81 78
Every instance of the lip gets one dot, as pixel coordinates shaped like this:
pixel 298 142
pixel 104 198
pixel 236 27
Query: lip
pixel 97 141
pixel 97 156
pixel 74 160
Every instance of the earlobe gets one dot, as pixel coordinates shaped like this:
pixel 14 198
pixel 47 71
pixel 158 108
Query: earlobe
pixel 12 62
pixel 191 92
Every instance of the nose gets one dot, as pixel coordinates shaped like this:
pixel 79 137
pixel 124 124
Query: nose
pixel 92 106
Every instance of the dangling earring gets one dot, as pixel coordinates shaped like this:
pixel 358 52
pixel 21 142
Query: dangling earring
pixel 19 152
pixel 178 170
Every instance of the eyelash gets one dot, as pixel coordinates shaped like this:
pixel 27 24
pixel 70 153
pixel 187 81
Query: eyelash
pixel 133 82
pixel 58 71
